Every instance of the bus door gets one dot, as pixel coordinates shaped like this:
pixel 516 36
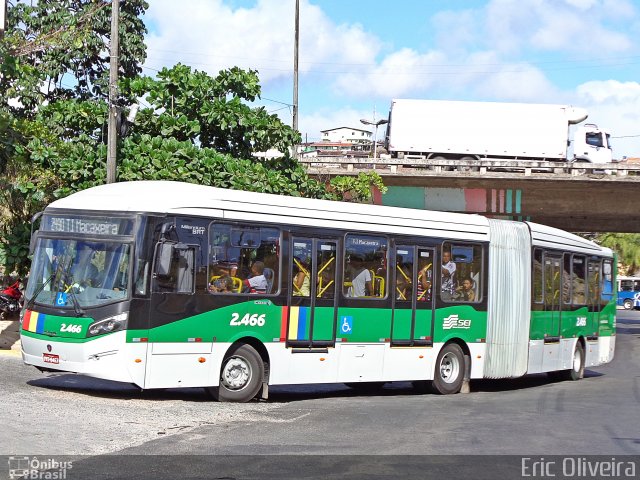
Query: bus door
pixel 594 282
pixel 552 297
pixel 312 297
pixel 170 354
pixel 412 296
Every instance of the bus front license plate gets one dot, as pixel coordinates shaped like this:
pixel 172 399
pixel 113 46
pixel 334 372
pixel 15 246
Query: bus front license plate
pixel 49 358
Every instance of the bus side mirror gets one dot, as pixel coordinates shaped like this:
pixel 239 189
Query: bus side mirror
pixel 32 239
pixel 164 258
pixel 32 242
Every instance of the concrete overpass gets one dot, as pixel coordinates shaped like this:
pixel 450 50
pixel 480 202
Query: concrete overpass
pixel 576 197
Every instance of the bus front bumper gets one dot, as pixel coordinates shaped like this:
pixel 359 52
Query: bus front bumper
pixel 109 357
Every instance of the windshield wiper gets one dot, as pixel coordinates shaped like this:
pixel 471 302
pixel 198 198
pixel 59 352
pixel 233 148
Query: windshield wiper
pixel 76 304
pixel 32 300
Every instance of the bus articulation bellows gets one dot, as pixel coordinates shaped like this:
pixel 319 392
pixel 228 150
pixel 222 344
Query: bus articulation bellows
pixel 168 284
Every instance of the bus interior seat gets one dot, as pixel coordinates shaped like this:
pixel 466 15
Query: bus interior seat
pixel 268 275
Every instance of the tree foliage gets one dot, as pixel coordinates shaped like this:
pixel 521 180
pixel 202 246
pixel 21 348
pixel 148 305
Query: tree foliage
pixel 60 49
pixel 626 245
pixel 53 63
pixel 357 188
pixel 191 126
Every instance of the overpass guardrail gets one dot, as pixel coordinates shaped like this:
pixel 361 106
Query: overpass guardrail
pixel 477 167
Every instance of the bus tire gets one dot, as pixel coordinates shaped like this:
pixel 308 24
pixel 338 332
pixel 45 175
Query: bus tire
pixel 576 372
pixel 449 372
pixel 627 304
pixel 241 375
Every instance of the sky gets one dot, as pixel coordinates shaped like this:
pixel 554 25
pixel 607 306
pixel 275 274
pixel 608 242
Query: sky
pixel 355 56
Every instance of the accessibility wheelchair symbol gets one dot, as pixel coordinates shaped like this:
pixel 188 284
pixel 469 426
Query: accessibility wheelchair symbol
pixel 346 324
pixel 61 299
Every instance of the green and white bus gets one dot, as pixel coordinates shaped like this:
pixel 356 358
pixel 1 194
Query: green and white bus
pixel 168 284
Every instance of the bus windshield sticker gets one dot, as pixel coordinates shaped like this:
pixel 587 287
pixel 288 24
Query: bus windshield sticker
pixel 61 299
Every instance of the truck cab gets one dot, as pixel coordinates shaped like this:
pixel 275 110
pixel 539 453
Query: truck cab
pixel 591 144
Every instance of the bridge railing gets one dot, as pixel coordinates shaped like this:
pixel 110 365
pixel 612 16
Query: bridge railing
pixel 409 165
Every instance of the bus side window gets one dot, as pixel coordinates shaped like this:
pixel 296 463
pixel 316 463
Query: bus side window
pixel 461 273
pixel 578 280
pixel 174 268
pixel 607 276
pixel 238 253
pixel 537 276
pixel 185 271
pixel 365 266
pixel 566 279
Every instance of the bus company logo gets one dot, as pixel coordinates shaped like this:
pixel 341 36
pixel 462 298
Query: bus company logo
pixel 194 230
pixel 35 468
pixel 453 321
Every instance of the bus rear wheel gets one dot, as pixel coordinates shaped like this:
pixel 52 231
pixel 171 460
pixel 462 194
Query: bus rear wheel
pixel 449 372
pixel 576 372
pixel 627 304
pixel 240 376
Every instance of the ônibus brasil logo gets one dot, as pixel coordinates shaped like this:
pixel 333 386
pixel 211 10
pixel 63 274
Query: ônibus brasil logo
pixel 453 321
pixel 38 468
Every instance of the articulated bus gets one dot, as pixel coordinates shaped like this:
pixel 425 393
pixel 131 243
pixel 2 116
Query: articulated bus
pixel 168 284
pixel 628 288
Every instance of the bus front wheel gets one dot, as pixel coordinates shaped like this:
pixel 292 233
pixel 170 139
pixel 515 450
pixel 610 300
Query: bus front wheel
pixel 449 372
pixel 627 304
pixel 240 376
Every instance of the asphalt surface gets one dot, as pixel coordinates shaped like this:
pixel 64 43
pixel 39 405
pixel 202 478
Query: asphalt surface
pixel 324 431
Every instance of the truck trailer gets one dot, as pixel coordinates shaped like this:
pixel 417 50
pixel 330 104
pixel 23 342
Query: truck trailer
pixel 457 130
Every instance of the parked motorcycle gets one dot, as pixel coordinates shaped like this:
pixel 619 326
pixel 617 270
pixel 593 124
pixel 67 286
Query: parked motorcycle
pixel 10 300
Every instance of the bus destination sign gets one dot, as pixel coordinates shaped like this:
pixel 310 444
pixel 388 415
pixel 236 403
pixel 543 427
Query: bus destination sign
pixel 87 225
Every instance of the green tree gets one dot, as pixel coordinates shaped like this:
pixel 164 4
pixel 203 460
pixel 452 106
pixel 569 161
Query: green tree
pixel 626 245
pixel 357 188
pixel 192 127
pixel 53 51
pixel 63 45
pixel 211 110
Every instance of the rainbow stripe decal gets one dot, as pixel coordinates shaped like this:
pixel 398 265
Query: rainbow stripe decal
pixel 299 323
pixel 33 321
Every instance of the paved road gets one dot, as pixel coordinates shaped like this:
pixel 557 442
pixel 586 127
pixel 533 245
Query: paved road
pixel 72 415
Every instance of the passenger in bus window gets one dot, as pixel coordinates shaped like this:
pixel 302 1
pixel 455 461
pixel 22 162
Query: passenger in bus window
pixel 361 278
pixel 301 287
pixel 257 282
pixel 448 273
pixel 232 267
pixel 404 286
pixel 423 292
pixel 465 291
pixel 222 285
pixel 223 276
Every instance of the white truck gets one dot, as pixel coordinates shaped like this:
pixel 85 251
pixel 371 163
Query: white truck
pixel 456 130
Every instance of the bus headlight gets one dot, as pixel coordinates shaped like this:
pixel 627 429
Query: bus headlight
pixel 108 325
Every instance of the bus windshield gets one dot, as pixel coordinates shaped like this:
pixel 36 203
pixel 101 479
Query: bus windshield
pixel 78 274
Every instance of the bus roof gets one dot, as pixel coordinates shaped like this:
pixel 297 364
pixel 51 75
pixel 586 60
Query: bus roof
pixel 549 237
pixel 178 198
